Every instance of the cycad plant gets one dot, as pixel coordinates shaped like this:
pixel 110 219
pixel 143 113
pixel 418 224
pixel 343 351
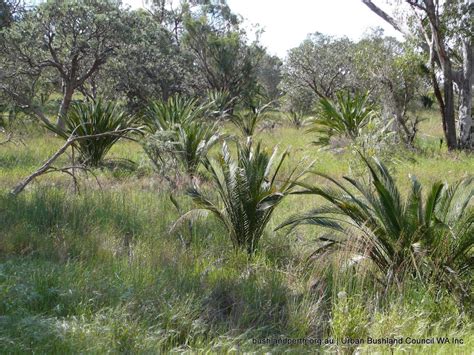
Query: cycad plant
pixel 86 119
pixel 247 120
pixel 416 235
pixel 188 144
pixel 221 103
pixel 297 119
pixel 179 133
pixel 177 110
pixel 193 142
pixel 248 189
pixel 344 117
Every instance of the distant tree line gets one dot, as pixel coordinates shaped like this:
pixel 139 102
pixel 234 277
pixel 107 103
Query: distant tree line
pixel 101 48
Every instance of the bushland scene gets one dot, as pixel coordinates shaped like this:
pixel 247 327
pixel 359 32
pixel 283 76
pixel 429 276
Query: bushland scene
pixel 167 184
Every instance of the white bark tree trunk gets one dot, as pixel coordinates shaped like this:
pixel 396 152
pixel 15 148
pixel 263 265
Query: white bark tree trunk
pixel 466 127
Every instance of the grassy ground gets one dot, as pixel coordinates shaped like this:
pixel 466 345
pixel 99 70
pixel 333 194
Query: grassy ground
pixel 100 272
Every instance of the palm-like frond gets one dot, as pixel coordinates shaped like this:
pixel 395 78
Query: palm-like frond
pixel 399 235
pixel 193 142
pixel 188 143
pixel 248 191
pixel 346 116
pixel 220 102
pixel 178 131
pixel 297 119
pixel 247 121
pixel 85 119
pixel 164 115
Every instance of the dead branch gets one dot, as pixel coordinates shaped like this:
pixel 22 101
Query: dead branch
pixel 71 140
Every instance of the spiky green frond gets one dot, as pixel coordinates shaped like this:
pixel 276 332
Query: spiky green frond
pixel 415 234
pixel 248 190
pixel 85 119
pixel 345 116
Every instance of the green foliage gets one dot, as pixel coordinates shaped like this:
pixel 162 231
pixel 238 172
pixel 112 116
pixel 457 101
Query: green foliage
pixel 147 65
pixel 344 117
pixel 396 76
pixel 249 189
pixel 427 101
pixel 269 76
pixel 428 237
pixel 220 52
pixel 297 119
pixel 188 143
pixel 8 10
pixel 177 110
pixel 59 42
pixel 247 120
pixel 86 119
pixel 220 101
pixel 319 67
pixel 178 132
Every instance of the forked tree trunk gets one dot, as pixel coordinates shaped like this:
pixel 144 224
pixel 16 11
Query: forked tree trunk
pixel 65 103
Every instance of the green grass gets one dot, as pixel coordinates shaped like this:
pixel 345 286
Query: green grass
pixel 100 272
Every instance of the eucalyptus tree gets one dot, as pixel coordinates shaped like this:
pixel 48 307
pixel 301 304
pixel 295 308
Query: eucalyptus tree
pixel 62 40
pixel 396 77
pixel 269 76
pixel 223 59
pixel 444 30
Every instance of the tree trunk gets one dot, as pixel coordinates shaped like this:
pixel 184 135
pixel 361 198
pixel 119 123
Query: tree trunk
pixel 438 45
pixel 466 128
pixel 65 103
pixel 448 117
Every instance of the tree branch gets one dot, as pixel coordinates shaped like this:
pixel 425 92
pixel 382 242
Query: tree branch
pixel 72 139
pixel 377 10
pixel 26 104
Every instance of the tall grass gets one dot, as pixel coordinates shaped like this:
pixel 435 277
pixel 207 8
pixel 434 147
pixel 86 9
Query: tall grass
pixel 100 272
pixel 425 236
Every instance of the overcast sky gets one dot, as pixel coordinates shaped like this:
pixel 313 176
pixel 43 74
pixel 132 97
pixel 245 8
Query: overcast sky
pixel 287 23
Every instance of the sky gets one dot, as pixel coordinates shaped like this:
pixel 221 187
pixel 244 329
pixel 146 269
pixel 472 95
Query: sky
pixel 286 23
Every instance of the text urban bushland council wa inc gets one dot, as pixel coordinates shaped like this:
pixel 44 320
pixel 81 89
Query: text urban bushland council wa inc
pixel 359 341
